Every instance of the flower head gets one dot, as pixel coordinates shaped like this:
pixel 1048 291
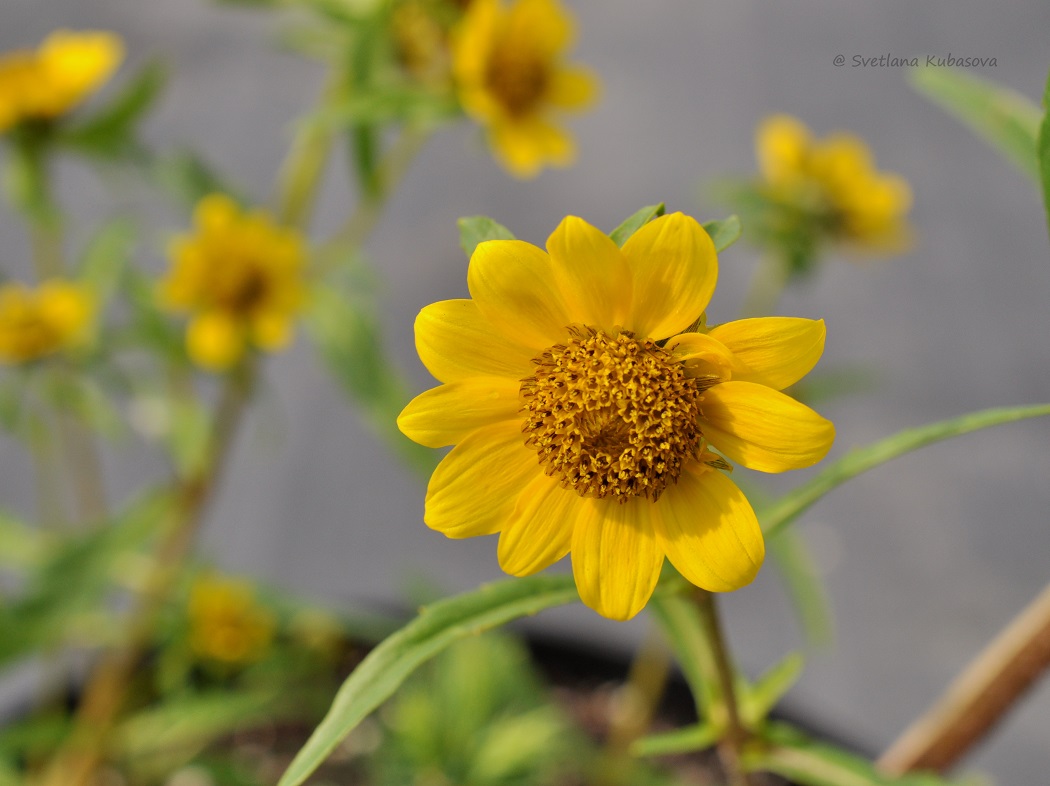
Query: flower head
pixel 510 75
pixel 49 82
pixel 227 624
pixel 835 179
pixel 240 276
pixel 586 416
pixel 40 322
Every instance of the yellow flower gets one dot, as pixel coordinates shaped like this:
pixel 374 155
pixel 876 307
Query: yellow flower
pixel 226 622
pixel 240 276
pixel 837 178
pixel 585 416
pixel 35 323
pixel 511 79
pixel 47 83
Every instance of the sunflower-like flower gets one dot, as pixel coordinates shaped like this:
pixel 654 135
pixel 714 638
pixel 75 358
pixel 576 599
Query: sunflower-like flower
pixel 42 321
pixel 508 67
pixel 49 82
pixel 834 179
pixel 586 416
pixel 240 276
pixel 227 623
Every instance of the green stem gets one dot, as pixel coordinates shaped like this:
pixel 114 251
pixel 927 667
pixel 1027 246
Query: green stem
pixel 729 747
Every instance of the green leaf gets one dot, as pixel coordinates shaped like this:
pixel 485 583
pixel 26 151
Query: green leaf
pixel 349 340
pixel 680 623
pixel 110 131
pixel 478 229
pixel 685 740
pixel 21 544
pixel 437 626
pixel 758 699
pixel 860 460
pixel 724 233
pixel 106 257
pixel 1043 151
pixel 186 177
pixel 635 222
pixel 1006 120
pixel 808 596
pixel 789 753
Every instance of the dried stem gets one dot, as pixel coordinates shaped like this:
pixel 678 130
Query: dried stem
pixel 979 697
pixel 732 742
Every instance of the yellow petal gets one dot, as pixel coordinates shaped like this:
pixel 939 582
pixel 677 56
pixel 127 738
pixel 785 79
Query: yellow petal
pixel 708 530
pixel 781 147
pixel 512 283
pixel 762 428
pixel 271 331
pixel 474 489
pixel 572 88
pixel 445 415
pixel 525 145
pixel 215 341
pixel 773 351
pixel 675 267
pixel 540 530
pixel 543 24
pixel 616 559
pixel 455 341
pixel 702 355
pixel 591 273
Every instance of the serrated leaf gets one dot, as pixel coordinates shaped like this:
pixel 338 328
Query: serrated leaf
pixel 685 740
pixel 1043 151
pixel 437 626
pixel 477 229
pixel 724 233
pixel 1006 120
pixel 635 222
pixel 757 699
pixel 860 460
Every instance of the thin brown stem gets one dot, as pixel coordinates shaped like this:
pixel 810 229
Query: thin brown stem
pixel 107 688
pixel 979 697
pixel 732 742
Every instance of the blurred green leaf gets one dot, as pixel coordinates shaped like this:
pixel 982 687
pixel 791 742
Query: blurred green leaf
pixel 759 698
pixel 860 460
pixel 106 257
pixel 789 753
pixel 25 178
pixel 110 131
pixel 688 739
pixel 680 623
pixel 390 103
pixel 1006 120
pixel 21 545
pixel 436 627
pixel 477 229
pixel 187 435
pixel 724 233
pixel 635 222
pixel 1043 151
pixel 187 178
pixel 808 595
pixel 349 340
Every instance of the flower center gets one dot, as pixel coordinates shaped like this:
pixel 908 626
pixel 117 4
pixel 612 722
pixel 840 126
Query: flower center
pixel 517 77
pixel 242 289
pixel 611 415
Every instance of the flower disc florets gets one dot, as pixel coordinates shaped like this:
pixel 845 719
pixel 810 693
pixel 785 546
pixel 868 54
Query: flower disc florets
pixel 611 415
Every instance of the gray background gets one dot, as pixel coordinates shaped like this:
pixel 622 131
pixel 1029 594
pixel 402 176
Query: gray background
pixel 925 558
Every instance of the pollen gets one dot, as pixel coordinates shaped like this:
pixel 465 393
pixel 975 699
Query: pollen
pixel 611 415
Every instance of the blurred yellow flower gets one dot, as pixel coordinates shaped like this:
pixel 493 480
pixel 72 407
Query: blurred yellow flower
pixel 66 69
pixel 835 178
pixel 35 323
pixel 585 413
pixel 240 275
pixel 508 67
pixel 227 624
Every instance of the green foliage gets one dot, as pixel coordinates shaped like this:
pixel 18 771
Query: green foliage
pixel 724 233
pixel 1043 150
pixel 1006 120
pixel 478 229
pixel 636 221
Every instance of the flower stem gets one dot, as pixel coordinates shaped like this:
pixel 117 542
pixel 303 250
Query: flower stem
pixel 729 747
pixel 979 697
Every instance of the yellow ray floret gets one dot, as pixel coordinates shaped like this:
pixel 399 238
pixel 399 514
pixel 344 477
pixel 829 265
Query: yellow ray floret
pixel 240 277
pixel 586 421
pixel 227 623
pixel 39 322
pixel 49 82
pixel 511 78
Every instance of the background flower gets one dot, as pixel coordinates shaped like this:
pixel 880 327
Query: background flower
pixel 39 322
